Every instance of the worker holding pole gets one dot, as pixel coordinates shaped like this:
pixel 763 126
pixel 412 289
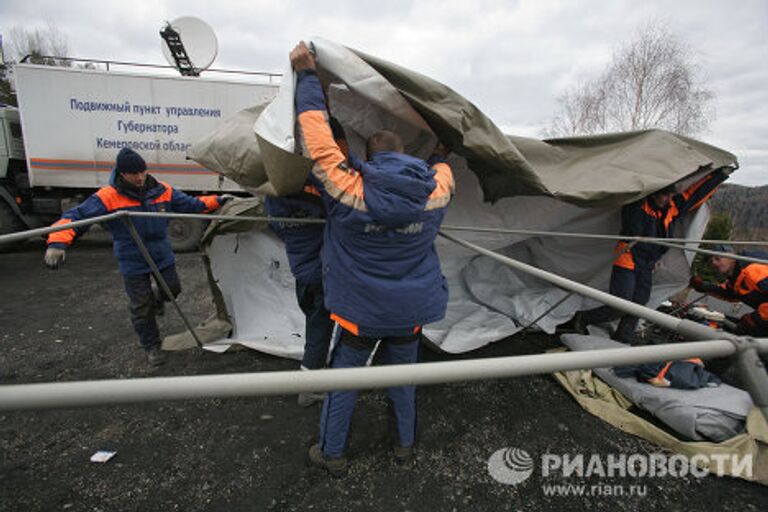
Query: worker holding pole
pixel 132 188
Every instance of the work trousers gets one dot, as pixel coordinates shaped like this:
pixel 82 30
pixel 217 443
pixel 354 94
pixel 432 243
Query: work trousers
pixel 353 351
pixel 318 326
pixel 634 285
pixel 142 303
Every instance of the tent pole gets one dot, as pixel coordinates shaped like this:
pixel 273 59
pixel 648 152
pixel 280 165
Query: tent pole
pixel 755 381
pixel 590 281
pixel 158 276
pixel 121 391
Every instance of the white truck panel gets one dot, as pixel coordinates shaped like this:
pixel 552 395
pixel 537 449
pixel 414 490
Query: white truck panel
pixel 76 120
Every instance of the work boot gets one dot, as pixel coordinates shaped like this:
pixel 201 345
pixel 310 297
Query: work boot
pixel 335 466
pixel 403 454
pixel 156 357
pixel 309 399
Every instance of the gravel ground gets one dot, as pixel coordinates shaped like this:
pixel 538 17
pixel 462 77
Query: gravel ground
pixel 249 454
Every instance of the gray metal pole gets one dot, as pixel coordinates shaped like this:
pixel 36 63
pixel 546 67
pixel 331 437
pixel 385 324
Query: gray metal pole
pixel 120 391
pixel 32 233
pixel 756 380
pixel 590 282
pixel 160 279
pixel 739 257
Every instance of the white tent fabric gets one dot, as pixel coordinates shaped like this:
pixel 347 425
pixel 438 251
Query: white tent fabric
pixel 488 302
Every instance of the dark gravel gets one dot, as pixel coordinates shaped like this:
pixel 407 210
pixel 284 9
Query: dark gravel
pixel 249 454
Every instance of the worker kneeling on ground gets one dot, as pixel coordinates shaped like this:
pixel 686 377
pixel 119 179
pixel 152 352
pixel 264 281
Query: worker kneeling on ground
pixel 632 274
pixel 745 282
pixel 381 272
pixel 132 188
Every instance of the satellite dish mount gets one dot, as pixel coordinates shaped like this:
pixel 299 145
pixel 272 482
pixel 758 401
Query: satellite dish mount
pixel 190 45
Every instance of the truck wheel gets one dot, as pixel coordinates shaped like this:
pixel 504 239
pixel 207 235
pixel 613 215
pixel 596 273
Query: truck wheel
pixel 9 223
pixel 185 234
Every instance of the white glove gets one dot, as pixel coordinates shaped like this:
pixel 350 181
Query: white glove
pixel 54 257
pixel 224 198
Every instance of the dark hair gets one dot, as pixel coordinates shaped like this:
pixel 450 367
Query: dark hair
pixel 383 141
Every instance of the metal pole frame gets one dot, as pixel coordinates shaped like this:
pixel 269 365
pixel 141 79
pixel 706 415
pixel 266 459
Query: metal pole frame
pixel 121 391
pixel 751 368
pixel 158 276
pixel 668 242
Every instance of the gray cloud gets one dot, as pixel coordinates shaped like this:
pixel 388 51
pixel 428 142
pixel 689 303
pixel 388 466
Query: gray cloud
pixel 510 58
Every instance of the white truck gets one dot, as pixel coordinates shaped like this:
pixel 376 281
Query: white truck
pixel 59 146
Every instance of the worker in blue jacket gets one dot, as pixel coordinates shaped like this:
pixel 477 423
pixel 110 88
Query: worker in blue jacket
pixel 632 275
pixel 381 272
pixel 132 188
pixel 303 243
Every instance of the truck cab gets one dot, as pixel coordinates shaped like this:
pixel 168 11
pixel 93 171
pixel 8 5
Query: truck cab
pixel 14 181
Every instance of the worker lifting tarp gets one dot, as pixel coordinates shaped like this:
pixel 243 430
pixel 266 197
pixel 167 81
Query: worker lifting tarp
pixel 572 184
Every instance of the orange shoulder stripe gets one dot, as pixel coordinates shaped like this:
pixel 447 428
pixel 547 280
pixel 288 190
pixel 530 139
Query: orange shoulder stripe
pixel 340 182
pixel 114 200
pixel 166 195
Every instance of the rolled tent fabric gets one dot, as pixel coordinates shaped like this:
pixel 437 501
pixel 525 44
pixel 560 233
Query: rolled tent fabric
pixel 575 184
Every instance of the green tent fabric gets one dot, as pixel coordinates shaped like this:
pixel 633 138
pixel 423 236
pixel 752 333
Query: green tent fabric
pixel 601 400
pixel 600 170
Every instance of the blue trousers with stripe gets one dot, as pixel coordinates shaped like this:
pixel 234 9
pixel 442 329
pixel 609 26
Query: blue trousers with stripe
pixel 336 416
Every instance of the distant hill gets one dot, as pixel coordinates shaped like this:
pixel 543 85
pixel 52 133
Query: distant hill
pixel 747 207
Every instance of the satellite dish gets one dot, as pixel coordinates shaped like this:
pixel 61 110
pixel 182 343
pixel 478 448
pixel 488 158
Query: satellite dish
pixel 189 44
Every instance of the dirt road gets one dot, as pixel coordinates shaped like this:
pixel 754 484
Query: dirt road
pixel 239 455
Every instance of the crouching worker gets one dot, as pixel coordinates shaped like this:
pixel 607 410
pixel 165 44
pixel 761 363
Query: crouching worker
pixel 745 282
pixel 381 272
pixel 132 188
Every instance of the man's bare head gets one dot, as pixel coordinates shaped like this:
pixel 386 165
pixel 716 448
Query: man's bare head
pixel 383 141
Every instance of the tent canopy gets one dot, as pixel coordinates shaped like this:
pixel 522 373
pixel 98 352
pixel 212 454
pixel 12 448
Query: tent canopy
pixel 572 184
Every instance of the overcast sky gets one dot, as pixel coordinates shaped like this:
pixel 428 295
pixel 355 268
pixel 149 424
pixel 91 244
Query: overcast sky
pixel 512 59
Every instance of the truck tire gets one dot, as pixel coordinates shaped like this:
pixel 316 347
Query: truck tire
pixel 185 234
pixel 9 223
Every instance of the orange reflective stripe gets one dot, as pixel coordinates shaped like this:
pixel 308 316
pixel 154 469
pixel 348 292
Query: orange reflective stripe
pixel 749 278
pixel 624 258
pixel 211 203
pixel 672 213
pixel 340 182
pixel 649 210
pixel 762 310
pixel 312 190
pixel 346 324
pixel 65 236
pixel 659 379
pixel 445 188
pixel 688 193
pixel 114 200
pixel 166 195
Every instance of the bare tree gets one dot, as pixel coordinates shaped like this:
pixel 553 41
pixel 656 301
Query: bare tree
pixel 41 44
pixel 652 82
